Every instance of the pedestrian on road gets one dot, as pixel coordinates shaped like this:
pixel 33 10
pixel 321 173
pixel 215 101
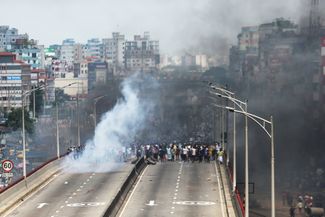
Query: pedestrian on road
pixel 292 211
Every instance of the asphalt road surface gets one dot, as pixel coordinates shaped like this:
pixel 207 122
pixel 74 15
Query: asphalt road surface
pixel 74 194
pixel 176 189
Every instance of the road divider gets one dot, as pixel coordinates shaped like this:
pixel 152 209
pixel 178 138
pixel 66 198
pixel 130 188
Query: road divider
pixel 120 197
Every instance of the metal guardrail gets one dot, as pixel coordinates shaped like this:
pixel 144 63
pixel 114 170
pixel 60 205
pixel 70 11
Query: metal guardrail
pixel 120 197
pixel 239 205
pixel 30 173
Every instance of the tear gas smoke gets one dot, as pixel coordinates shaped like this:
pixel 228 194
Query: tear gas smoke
pixel 117 128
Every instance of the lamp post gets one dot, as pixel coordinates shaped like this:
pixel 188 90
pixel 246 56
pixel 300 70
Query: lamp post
pixel 95 111
pixel 24 95
pixel 57 123
pixel 270 133
pixel 239 103
pixel 231 94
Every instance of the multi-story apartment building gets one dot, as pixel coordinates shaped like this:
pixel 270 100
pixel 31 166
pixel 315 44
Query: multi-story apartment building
pixel 67 52
pixel 142 54
pixel 113 50
pixel 81 69
pixel 15 79
pixel 9 38
pixel 93 49
pixel 32 55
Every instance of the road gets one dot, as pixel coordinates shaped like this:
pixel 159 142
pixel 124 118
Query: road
pixel 74 194
pixel 176 189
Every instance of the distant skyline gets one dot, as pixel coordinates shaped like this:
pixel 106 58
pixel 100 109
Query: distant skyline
pixel 177 24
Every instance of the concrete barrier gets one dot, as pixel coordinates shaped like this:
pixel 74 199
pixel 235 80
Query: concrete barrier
pixel 19 190
pixel 120 197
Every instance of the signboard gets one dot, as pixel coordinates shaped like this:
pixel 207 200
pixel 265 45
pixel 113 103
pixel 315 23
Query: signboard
pixel 15 78
pixel 6 175
pixel 7 165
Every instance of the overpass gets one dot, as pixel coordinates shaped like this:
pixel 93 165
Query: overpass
pixel 163 189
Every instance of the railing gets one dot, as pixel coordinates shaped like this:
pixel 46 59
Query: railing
pixel 30 173
pixel 240 207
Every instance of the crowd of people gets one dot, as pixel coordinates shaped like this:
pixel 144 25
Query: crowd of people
pixel 181 152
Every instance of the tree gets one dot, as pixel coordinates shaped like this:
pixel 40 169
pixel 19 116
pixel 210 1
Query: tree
pixel 39 101
pixel 15 120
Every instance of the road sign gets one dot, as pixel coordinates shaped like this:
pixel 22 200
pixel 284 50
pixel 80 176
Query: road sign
pixel 6 175
pixel 7 165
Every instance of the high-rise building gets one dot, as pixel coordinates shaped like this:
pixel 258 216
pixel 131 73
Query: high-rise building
pixel 142 54
pixel 10 39
pixel 67 52
pixel 113 49
pixel 93 49
pixel 15 79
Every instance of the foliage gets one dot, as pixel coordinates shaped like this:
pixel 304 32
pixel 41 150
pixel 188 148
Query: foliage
pixel 39 101
pixel 15 120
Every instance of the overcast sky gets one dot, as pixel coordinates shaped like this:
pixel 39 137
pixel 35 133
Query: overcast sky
pixel 177 24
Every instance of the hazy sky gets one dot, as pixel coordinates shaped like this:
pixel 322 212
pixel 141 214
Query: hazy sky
pixel 178 24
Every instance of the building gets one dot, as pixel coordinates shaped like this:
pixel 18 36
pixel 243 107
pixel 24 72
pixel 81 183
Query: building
pixel 32 55
pixel 15 79
pixel 201 61
pixel 68 51
pixel 142 54
pixel 10 39
pixel 98 74
pixel 94 49
pixel 81 69
pixel 72 86
pixel 113 50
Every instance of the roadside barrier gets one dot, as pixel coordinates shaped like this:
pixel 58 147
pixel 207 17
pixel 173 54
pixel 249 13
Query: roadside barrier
pixel 120 197
pixel 21 188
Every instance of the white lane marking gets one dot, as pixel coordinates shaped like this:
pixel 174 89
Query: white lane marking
pixel 87 180
pixel 78 189
pixel 41 205
pixel 90 177
pixel 32 194
pixel 57 211
pixel 219 186
pixel 93 174
pixel 81 186
pixel 61 207
pixel 195 203
pixel 85 183
pixel 175 198
pixel 70 197
pixel 66 201
pixel 176 190
pixel 151 203
pixel 74 193
pixel 135 187
pixel 85 204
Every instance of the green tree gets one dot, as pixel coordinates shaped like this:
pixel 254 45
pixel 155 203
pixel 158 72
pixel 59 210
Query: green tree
pixel 39 101
pixel 15 120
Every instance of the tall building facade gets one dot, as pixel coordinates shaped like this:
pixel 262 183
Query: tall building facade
pixel 15 79
pixel 113 50
pixel 10 39
pixel 142 54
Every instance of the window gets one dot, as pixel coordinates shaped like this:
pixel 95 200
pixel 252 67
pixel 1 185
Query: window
pixel 34 55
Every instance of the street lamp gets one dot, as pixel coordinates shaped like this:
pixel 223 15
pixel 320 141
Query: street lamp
pixel 57 123
pixel 239 104
pixel 95 111
pixel 24 95
pixel 262 123
pixel 231 94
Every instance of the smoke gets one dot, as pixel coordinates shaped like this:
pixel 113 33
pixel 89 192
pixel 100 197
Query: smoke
pixel 117 128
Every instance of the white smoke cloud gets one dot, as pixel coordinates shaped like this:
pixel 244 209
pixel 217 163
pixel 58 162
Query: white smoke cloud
pixel 116 129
